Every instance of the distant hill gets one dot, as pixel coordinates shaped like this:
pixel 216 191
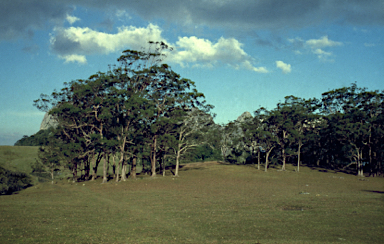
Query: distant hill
pixel 38 139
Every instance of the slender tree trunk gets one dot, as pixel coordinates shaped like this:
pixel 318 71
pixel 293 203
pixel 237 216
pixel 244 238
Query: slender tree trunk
pixel 113 166
pixel 105 169
pixel 118 167
pixel 87 169
pixel 163 159
pixel 74 172
pixel 52 174
pixel 298 157
pixel 266 159
pixel 177 161
pixel 133 169
pixel 153 161
pixel 258 160
pixel 360 163
pixel 284 158
pixel 124 169
pixel 96 164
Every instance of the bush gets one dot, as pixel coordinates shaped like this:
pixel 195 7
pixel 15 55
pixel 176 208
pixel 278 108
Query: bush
pixel 11 181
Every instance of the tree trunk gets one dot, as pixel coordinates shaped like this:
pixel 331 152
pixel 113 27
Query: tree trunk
pixel 298 157
pixel 94 168
pixel 153 161
pixel 124 169
pixel 258 160
pixel 133 169
pixel 163 159
pixel 266 159
pixel 105 169
pixel 87 168
pixel 177 162
pixel 74 172
pixel 360 170
pixel 52 174
pixel 118 167
pixel 284 158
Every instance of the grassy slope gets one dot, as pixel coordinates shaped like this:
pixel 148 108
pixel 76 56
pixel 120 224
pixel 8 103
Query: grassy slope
pixel 18 158
pixel 207 204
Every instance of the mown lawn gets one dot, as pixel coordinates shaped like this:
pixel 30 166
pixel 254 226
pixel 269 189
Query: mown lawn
pixel 211 203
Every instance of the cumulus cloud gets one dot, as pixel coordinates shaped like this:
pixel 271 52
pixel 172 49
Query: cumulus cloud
pixel 315 46
pixel 74 43
pixel 203 52
pixel 285 68
pixel 71 19
pixel 321 43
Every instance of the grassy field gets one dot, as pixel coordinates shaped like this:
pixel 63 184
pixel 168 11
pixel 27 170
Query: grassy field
pixel 208 203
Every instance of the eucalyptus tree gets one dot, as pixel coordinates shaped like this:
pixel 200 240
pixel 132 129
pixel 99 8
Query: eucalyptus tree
pixel 280 124
pixel 191 131
pixel 168 92
pixel 252 138
pixel 49 155
pixel 266 134
pixel 353 114
pixel 303 121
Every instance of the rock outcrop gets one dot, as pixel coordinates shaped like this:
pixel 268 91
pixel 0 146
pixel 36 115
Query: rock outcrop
pixel 244 116
pixel 48 121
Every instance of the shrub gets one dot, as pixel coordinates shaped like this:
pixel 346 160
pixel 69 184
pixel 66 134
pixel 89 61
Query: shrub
pixel 11 181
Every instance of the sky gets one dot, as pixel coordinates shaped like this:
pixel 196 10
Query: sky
pixel 242 54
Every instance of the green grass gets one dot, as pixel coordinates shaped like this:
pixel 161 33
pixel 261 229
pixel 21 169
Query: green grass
pixel 18 158
pixel 206 204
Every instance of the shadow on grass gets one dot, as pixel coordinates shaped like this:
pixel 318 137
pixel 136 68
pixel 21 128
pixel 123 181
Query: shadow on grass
pixel 332 170
pixel 380 192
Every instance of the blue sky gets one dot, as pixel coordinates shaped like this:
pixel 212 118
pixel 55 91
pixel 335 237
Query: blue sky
pixel 241 54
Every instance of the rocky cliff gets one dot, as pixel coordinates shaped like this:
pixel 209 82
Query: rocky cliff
pixel 48 121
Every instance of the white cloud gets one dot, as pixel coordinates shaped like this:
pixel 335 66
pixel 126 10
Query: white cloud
pixel 74 58
pixel 315 46
pixel 203 52
pixel 71 19
pixel 75 43
pixel 321 43
pixel 321 52
pixel 286 68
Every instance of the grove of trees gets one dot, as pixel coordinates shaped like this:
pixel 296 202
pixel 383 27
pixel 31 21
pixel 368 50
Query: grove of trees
pixel 142 111
pixel 342 130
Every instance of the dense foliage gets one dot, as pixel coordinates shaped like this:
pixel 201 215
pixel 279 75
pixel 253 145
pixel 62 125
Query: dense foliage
pixel 140 110
pixel 12 181
pixel 343 129
pixel 38 139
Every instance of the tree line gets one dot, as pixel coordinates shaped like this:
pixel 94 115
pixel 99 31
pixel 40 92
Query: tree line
pixel 342 130
pixel 142 111
pixel 139 109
